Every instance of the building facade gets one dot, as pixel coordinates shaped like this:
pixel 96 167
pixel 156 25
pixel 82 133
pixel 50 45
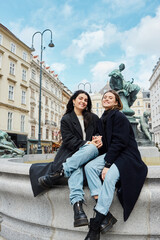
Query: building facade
pixel 19 96
pixel 14 87
pixel 155 102
pixel 52 108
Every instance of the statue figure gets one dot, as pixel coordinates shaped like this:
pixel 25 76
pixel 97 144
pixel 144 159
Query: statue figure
pixel 7 147
pixel 144 126
pixel 118 83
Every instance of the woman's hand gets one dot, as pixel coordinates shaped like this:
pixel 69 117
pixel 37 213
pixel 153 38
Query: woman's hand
pixel 104 171
pixel 97 141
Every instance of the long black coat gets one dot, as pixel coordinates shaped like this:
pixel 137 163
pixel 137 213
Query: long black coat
pixel 72 140
pixel 123 151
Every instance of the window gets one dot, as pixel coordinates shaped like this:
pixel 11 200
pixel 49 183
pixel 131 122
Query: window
pixel 13 48
pixel 32 94
pixel 52 135
pixel 139 111
pixel 51 104
pixel 23 99
pixel 0 60
pixel 47 133
pixel 12 68
pixel 33 74
pixel 9 125
pixel 24 56
pixel 33 131
pixel 11 92
pixel 0 39
pixel 46 101
pixel 22 122
pixel 46 116
pixel 138 103
pixel 24 74
pixel 46 84
pixel 32 112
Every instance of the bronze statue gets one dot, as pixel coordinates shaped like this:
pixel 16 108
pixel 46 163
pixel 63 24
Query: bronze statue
pixel 7 147
pixel 125 88
pixel 144 126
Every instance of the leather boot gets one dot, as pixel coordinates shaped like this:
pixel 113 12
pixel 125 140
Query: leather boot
pixel 80 218
pixel 107 223
pixel 49 180
pixel 94 227
pixel 94 230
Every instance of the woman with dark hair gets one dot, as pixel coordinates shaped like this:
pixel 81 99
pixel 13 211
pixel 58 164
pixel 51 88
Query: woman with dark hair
pixel 78 125
pixel 121 164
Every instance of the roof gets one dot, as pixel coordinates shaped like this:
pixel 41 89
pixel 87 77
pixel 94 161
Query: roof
pixel 6 29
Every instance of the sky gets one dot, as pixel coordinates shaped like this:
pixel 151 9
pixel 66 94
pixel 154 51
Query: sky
pixel 91 37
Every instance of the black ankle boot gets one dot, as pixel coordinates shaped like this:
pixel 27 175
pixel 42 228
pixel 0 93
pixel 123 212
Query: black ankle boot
pixel 80 218
pixel 107 223
pixel 94 227
pixel 94 230
pixel 48 181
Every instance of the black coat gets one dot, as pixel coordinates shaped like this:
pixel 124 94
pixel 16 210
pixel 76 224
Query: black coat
pixel 72 140
pixel 123 151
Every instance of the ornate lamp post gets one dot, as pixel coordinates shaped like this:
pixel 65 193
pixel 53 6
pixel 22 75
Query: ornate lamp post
pixel 84 84
pixel 39 150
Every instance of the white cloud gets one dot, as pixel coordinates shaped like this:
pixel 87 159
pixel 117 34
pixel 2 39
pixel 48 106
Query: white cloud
pixel 23 33
pixel 144 38
pixel 100 74
pixel 87 43
pixel 66 11
pixel 123 5
pixel 91 42
pixel 58 67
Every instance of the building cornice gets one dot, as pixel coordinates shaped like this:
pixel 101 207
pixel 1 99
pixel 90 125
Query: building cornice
pixel 14 107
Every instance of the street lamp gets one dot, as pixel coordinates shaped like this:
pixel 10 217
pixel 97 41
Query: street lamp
pixel 84 84
pixel 39 150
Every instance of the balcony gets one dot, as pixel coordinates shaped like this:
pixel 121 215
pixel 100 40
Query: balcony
pixel 48 122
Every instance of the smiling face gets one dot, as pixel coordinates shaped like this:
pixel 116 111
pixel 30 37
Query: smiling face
pixel 109 101
pixel 80 103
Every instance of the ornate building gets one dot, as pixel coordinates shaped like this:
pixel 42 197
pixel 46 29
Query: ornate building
pixel 19 96
pixel 52 107
pixel 14 86
pixel 155 101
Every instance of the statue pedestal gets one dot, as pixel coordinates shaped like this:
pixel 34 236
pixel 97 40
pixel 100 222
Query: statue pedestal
pixel 134 125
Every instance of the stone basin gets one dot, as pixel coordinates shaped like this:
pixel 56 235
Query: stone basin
pixel 50 215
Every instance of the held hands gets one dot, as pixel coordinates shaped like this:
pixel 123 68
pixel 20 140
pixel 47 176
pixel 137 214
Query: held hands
pixel 104 171
pixel 97 141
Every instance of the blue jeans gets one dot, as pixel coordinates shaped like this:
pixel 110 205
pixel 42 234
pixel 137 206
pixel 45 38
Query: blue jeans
pixel 73 168
pixel 106 190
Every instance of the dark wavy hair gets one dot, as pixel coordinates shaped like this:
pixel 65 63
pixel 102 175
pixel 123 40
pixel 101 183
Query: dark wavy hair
pixel 86 112
pixel 117 97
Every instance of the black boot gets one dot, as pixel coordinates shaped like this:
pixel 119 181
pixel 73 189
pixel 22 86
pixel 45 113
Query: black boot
pixel 80 218
pixel 48 181
pixel 107 223
pixel 94 227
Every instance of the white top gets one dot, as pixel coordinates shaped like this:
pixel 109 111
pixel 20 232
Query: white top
pixel 81 120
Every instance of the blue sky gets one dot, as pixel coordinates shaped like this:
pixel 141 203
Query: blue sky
pixel 91 37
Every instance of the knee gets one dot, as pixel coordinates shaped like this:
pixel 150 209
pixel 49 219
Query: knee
pixel 110 179
pixel 88 167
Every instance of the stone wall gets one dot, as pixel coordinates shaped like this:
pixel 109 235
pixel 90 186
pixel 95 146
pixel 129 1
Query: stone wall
pixel 50 216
